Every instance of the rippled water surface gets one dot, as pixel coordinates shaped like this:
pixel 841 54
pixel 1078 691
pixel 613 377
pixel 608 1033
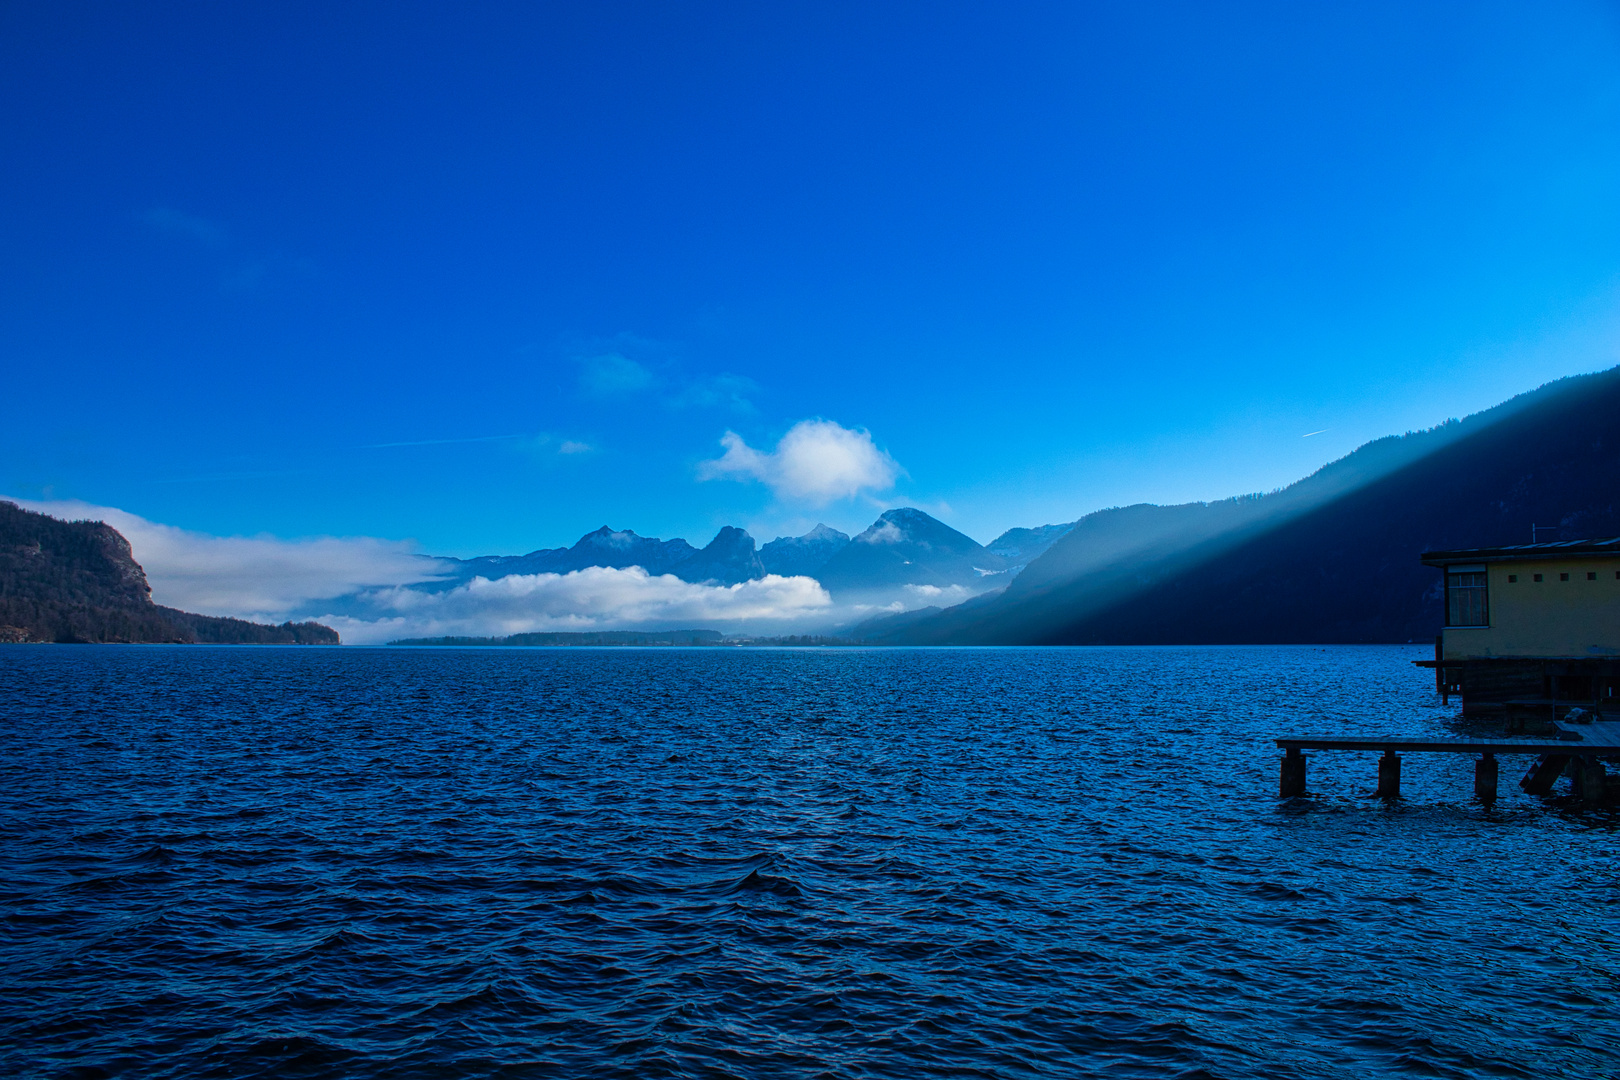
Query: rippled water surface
pixel 752 863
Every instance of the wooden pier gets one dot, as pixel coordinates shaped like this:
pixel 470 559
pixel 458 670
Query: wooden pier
pixel 1579 750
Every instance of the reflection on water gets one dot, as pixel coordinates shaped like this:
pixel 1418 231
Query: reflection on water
pixel 422 863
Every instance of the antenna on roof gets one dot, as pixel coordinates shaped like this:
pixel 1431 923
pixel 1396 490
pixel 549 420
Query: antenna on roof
pixel 1543 528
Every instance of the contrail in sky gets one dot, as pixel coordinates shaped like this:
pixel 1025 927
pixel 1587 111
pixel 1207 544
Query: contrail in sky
pixel 1308 434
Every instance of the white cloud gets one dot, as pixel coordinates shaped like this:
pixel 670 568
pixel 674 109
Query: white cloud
pixel 817 461
pixel 253 577
pixel 613 373
pixel 596 598
pixel 569 446
pixel 887 533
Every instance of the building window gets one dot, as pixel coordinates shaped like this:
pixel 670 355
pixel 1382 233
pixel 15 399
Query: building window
pixel 1538 577
pixel 1512 578
pixel 1465 599
pixel 1563 577
pixel 1591 575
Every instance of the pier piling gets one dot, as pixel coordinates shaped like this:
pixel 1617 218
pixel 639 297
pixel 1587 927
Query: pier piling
pixel 1485 773
pixel 1592 779
pixel 1293 774
pixel 1580 748
pixel 1389 776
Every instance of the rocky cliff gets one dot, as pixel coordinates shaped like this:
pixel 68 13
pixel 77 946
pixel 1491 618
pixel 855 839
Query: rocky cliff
pixel 78 581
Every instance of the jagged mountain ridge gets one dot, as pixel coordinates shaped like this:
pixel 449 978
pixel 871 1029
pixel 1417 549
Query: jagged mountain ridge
pixel 904 547
pixel 729 559
pixel 792 556
pixel 603 547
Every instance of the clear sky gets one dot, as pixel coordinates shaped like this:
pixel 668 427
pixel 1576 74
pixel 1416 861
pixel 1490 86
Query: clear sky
pixel 487 276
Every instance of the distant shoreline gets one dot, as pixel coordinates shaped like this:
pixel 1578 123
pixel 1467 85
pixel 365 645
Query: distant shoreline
pixel 597 637
pixel 667 638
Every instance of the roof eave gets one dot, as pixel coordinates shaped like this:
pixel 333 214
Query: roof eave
pixel 1441 558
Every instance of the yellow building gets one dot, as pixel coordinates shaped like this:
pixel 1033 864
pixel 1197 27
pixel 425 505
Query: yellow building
pixel 1535 620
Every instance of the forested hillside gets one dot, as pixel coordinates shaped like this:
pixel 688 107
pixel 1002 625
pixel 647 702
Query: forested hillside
pixel 78 581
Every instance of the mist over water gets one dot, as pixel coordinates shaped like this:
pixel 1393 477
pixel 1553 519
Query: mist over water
pixel 758 863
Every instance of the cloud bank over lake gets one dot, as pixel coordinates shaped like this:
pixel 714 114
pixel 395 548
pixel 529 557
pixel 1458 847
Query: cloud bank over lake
pixel 595 598
pixel 363 587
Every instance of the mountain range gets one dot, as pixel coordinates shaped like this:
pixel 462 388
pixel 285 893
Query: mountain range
pixel 904 549
pixel 1332 558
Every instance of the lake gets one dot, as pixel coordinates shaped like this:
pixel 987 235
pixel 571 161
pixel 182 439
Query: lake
pixel 237 862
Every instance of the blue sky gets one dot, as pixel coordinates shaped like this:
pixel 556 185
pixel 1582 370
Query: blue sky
pixel 487 276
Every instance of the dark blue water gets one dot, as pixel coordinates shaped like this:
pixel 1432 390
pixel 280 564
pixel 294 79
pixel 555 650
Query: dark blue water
pixel 710 863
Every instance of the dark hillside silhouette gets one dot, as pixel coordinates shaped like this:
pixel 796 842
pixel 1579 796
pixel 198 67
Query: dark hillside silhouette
pixel 220 630
pixel 1331 559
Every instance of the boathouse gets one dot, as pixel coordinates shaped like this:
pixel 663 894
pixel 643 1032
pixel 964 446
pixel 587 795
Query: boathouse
pixel 1530 629
pixel 1532 633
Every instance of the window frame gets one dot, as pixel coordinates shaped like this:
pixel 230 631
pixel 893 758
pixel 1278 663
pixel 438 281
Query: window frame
pixel 1468 601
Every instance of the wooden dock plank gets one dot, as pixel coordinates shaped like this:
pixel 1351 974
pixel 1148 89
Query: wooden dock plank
pixel 1597 733
pixel 1442 746
pixel 1572 738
